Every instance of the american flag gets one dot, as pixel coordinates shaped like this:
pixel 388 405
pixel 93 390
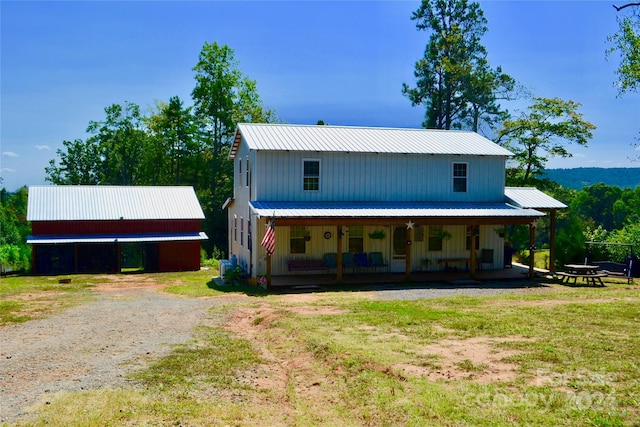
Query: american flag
pixel 269 239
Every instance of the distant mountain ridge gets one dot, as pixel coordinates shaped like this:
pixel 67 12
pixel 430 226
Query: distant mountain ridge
pixel 578 178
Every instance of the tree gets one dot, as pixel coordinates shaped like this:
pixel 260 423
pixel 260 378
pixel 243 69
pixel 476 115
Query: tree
pixel 453 79
pixel 14 229
pixel 223 97
pixel 627 43
pixel 111 155
pixel 120 137
pixel 541 133
pixel 172 144
pixel 79 164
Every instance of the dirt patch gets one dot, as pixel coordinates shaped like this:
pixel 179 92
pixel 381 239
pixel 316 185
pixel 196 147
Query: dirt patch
pixel 125 282
pixel 316 310
pixel 44 295
pixel 298 371
pixel 479 359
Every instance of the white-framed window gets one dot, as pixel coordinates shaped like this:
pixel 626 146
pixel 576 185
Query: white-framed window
pixel 356 239
pixel 460 177
pixel 476 238
pixel 248 178
pixel 241 231
pixel 298 240
pixel 434 242
pixel 239 172
pixel 235 228
pixel 311 174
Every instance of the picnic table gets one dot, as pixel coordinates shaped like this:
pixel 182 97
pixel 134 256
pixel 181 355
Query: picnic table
pixel 588 273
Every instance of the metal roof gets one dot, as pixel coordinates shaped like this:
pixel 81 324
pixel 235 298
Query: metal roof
pixel 112 238
pixel 101 202
pixel 388 210
pixel 529 197
pixel 279 137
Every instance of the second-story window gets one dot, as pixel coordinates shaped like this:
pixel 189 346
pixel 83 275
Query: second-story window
pixel 459 177
pixel 241 231
pixel 239 172
pixel 311 175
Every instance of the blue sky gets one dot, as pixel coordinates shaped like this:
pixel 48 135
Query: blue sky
pixel 62 63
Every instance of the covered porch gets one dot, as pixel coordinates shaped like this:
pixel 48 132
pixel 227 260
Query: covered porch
pixel 320 242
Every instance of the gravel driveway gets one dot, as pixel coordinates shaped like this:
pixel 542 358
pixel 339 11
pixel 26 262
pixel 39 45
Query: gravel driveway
pixel 93 345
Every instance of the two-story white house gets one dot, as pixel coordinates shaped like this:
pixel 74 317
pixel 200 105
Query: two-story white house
pixel 358 199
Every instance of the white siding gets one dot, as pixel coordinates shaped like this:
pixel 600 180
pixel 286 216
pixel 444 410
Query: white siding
pixel 378 177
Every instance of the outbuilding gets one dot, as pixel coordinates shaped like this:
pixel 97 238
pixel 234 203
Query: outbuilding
pixel 109 229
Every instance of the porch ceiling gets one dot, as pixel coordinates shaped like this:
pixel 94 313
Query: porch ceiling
pixel 375 213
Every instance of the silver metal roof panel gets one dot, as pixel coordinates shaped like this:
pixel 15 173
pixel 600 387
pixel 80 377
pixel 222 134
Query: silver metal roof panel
pixel 529 197
pixel 279 137
pixel 388 210
pixel 102 202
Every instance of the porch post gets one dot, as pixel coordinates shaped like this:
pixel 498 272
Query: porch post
pixel 552 243
pixel 339 256
pixel 473 257
pixel 532 248
pixel 268 271
pixel 407 258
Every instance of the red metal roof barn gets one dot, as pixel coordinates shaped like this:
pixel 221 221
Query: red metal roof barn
pixel 100 229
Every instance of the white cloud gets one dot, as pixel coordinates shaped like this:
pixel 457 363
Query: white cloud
pixel 7 170
pixel 9 154
pixel 43 147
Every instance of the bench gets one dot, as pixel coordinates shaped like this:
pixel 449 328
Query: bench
pixel 448 261
pixel 613 269
pixel 306 265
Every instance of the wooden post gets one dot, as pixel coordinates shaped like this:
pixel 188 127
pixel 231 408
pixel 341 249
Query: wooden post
pixel 552 243
pixel 532 249
pixel 473 257
pixel 407 258
pixel 268 271
pixel 339 256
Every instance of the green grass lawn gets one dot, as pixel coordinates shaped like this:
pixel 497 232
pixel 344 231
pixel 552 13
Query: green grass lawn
pixel 566 357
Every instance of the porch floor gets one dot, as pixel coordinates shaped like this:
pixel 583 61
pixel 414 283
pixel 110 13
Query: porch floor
pixel 300 280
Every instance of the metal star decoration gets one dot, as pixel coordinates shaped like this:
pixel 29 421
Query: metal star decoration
pixel 410 225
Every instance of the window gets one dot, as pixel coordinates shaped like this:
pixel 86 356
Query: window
pixel 435 238
pixel 467 244
pixel 356 241
pixel 248 178
pixel 460 177
pixel 298 240
pixel 235 228
pixel 239 172
pixel 311 177
pixel 241 231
